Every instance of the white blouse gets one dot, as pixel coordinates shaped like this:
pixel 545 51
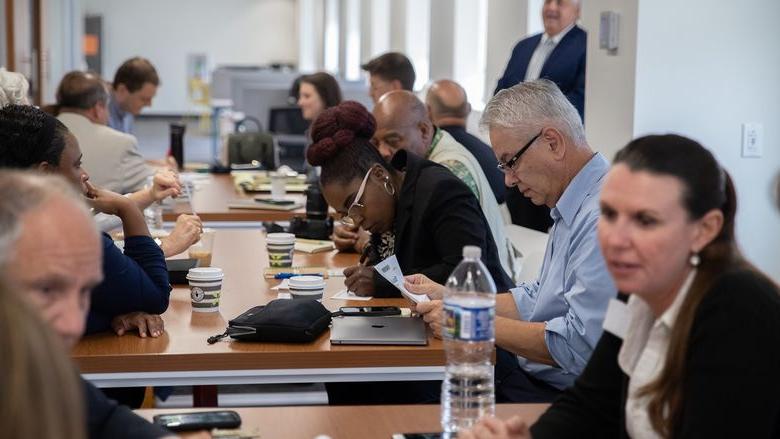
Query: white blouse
pixel 643 354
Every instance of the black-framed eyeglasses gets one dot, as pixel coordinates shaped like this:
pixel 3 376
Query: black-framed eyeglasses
pixel 509 164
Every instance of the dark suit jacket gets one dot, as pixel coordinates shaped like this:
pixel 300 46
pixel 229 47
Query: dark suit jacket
pixel 108 420
pixel 436 214
pixel 565 66
pixel 732 378
pixel 484 155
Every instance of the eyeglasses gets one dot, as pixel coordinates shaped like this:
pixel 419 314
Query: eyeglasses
pixel 349 218
pixel 506 167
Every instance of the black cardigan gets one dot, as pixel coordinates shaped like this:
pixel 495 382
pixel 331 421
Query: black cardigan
pixel 436 214
pixel 732 381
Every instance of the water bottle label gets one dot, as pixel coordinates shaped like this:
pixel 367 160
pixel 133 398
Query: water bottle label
pixel 468 324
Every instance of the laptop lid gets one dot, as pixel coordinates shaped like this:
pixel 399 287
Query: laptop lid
pixel 378 331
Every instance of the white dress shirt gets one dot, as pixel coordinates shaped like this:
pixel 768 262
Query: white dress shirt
pixel 542 52
pixel 643 355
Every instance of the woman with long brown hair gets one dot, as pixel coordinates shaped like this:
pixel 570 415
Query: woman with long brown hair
pixel 696 350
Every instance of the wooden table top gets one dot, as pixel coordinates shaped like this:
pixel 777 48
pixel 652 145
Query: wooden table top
pixel 347 422
pixel 212 196
pixel 242 256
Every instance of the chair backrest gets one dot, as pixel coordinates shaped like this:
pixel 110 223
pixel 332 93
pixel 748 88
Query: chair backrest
pixel 532 245
pixel 245 147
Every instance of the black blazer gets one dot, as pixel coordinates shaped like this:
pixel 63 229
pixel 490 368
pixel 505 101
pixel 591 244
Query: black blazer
pixel 732 381
pixel 436 214
pixel 565 66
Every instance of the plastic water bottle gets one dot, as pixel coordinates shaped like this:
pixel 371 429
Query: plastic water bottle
pixel 469 335
pixel 154 213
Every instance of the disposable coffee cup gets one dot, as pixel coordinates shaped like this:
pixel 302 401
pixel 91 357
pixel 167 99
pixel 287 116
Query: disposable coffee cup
pixel 278 186
pixel 280 247
pixel 307 287
pixel 205 288
pixel 203 249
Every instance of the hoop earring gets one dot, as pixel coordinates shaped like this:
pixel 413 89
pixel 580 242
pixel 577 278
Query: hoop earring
pixel 694 260
pixel 389 188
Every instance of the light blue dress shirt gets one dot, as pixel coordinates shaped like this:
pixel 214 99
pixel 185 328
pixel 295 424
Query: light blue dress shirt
pixel 574 287
pixel 119 119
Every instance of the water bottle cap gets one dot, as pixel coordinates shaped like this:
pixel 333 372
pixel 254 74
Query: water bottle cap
pixel 472 252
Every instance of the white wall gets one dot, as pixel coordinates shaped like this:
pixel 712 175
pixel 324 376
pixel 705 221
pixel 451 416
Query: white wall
pixel 610 79
pixel 701 71
pixel 228 31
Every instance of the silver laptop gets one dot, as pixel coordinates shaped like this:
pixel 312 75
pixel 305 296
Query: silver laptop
pixel 378 331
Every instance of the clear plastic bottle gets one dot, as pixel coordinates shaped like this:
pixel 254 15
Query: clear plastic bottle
pixel 469 336
pixel 154 213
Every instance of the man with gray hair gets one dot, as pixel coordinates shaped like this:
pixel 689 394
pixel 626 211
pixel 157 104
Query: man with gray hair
pixel 50 254
pixel 546 330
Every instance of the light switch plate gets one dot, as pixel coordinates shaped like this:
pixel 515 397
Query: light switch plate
pixel 752 140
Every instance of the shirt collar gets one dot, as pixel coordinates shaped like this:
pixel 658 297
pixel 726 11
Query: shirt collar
pixel 582 185
pixel 437 135
pixel 559 36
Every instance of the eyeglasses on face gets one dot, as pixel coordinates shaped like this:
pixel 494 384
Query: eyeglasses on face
pixel 509 164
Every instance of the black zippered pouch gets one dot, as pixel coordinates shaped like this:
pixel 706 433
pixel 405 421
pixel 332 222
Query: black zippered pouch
pixel 281 320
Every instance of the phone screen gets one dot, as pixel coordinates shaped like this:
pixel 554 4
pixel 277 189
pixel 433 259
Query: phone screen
pixel 419 436
pixel 199 420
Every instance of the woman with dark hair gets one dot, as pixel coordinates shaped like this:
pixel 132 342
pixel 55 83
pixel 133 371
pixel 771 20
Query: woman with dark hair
pixel 136 282
pixel 429 211
pixel 316 93
pixel 696 350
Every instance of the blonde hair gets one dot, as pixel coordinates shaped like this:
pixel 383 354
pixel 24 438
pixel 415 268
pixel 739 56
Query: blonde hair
pixel 42 395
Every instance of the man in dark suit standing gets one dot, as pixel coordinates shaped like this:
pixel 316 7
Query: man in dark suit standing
pixel 449 109
pixel 558 54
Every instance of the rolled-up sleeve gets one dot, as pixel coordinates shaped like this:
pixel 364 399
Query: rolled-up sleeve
pixel 525 298
pixel 571 338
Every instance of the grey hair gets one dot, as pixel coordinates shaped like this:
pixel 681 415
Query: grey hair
pixel 13 88
pixel 530 105
pixel 22 192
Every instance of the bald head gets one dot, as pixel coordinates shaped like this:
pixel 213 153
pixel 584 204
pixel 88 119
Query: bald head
pixel 402 123
pixel 447 103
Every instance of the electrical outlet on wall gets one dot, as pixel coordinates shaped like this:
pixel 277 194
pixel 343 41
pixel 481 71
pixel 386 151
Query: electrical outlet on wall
pixel 752 139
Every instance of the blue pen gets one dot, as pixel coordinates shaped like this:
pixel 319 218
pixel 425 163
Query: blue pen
pixel 289 275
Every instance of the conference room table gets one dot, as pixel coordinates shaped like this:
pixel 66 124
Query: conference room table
pixel 348 422
pixel 212 195
pixel 182 356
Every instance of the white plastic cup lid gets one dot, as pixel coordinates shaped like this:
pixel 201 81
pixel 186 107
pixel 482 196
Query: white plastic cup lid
pixel 205 273
pixel 280 238
pixel 307 282
pixel 472 252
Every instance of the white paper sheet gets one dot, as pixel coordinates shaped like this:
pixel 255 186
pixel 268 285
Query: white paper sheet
pixel 391 270
pixel 349 295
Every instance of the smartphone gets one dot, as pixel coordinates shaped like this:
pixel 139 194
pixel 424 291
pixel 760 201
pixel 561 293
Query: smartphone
pixel 420 436
pixel 275 202
pixel 370 310
pixel 199 420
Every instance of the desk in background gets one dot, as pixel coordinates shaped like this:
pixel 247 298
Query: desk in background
pixel 181 355
pixel 349 422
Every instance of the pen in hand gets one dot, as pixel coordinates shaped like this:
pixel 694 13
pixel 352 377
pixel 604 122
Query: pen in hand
pixel 364 255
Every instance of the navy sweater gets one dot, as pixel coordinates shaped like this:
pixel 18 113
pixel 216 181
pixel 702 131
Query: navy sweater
pixel 134 281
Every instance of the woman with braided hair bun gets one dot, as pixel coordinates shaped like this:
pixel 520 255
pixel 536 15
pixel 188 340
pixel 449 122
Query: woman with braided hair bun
pixel 412 207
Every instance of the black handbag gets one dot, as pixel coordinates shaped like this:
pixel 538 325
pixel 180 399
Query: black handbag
pixel 281 320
